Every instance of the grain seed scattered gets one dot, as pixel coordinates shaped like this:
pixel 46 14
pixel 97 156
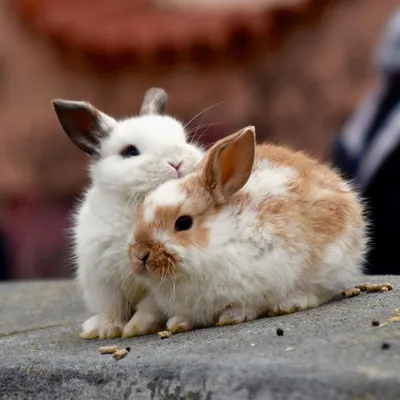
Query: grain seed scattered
pixel 109 349
pixel 374 287
pixel 379 287
pixel 385 346
pixel 351 293
pixel 164 334
pixel 363 287
pixel 279 332
pixel 118 355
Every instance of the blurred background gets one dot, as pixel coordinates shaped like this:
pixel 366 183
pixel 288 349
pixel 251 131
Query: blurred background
pixel 299 70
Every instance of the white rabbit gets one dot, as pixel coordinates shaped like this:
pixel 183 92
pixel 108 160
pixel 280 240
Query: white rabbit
pixel 255 231
pixel 129 158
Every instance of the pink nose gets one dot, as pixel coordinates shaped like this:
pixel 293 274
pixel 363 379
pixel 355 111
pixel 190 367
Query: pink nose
pixel 175 165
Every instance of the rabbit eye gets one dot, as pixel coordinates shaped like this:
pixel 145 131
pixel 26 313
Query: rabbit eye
pixel 129 151
pixel 183 223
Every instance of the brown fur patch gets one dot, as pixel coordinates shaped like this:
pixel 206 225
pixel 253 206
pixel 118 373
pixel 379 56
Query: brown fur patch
pixel 317 201
pixel 161 261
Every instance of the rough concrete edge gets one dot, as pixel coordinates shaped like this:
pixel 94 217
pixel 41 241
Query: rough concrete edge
pixel 189 378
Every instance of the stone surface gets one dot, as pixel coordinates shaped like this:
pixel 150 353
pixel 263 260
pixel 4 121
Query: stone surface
pixel 332 352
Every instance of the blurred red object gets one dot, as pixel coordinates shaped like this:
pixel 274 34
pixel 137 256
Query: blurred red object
pixel 143 30
pixel 36 238
pixel 226 5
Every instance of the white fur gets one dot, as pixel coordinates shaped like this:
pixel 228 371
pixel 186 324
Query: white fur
pixel 245 264
pixel 103 221
pixel 166 197
pixel 268 178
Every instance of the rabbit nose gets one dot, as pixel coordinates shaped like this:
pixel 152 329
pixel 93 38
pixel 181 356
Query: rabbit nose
pixel 175 164
pixel 145 257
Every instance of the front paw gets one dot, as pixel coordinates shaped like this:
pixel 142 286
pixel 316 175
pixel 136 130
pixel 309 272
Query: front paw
pixel 179 324
pixel 90 328
pixel 98 327
pixel 111 329
pixel 236 315
pixel 142 324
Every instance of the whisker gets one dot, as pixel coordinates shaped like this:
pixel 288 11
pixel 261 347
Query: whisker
pixel 171 267
pixel 203 126
pixel 203 111
pixel 194 138
pixel 205 130
pixel 127 276
pixel 163 277
pixel 136 198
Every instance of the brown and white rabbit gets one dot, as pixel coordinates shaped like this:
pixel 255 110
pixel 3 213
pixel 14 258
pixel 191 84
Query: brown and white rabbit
pixel 256 230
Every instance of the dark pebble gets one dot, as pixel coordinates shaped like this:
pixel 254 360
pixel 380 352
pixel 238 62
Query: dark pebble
pixel 128 349
pixel 385 346
pixel 279 332
pixel 375 323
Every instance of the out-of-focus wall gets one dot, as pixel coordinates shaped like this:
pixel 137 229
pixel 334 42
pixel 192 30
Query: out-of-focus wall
pixel 308 88
pixel 298 94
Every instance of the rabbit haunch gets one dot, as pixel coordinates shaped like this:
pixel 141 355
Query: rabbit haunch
pixel 129 158
pixel 273 231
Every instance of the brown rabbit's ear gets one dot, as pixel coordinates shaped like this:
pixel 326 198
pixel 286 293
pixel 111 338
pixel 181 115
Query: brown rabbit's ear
pixel 229 164
pixel 154 102
pixel 85 125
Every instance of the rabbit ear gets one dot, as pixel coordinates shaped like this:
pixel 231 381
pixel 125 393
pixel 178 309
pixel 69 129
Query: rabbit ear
pixel 85 125
pixel 229 164
pixel 154 102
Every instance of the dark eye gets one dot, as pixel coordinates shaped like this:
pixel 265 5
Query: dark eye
pixel 183 223
pixel 130 151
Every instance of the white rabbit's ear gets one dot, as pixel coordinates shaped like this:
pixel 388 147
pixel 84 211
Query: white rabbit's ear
pixel 154 102
pixel 84 124
pixel 229 164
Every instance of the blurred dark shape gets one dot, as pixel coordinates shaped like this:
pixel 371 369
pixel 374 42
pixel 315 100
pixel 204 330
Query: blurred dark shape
pixel 368 151
pixel 4 262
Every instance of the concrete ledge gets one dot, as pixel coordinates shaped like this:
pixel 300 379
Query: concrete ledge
pixel 332 352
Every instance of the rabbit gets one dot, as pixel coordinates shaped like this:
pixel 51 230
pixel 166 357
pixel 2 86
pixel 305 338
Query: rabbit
pixel 129 158
pixel 254 231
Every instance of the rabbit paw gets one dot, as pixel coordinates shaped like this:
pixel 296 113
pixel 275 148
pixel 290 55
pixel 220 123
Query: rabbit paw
pixel 298 302
pixel 99 328
pixel 90 328
pixel 236 315
pixel 179 324
pixel 110 329
pixel 141 324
